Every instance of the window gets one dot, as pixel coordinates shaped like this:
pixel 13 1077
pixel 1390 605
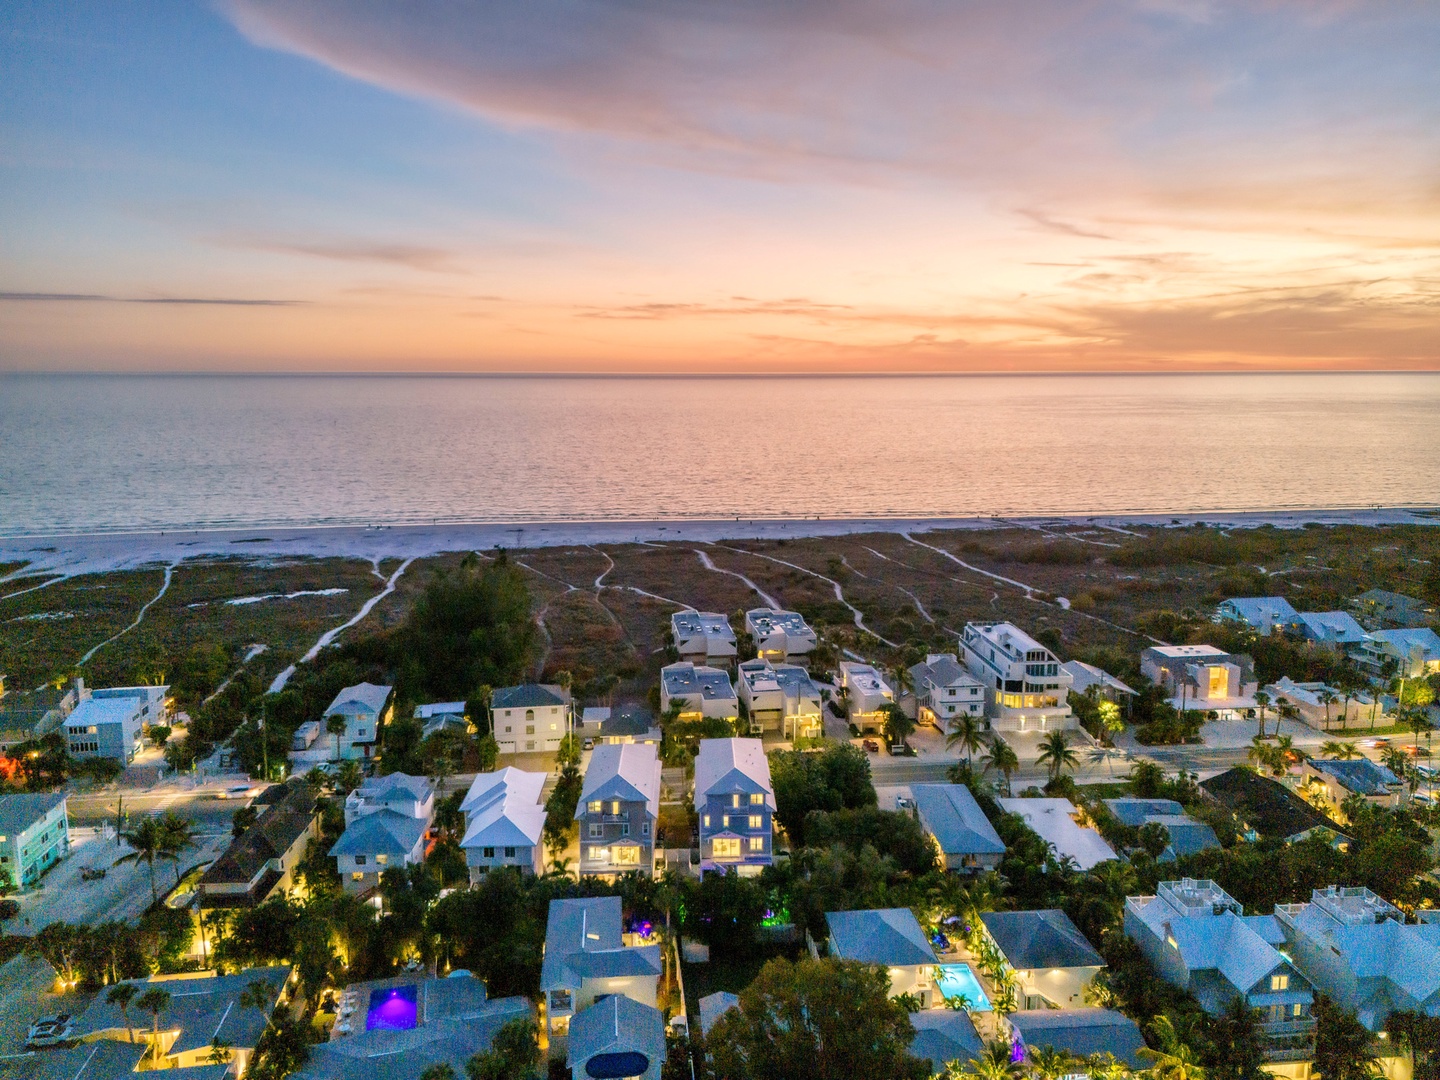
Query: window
pixel 725 821
pixel 757 843
pixel 529 716
pixel 489 852
pixel 530 745
pixel 597 831
pixel 757 799
pixel 553 727
pixel 529 729
pixel 705 821
pixel 599 854
pixel 509 852
pixel 727 847
pixel 593 806
pixel 357 876
pixel 508 729
pixel 360 733
pixel 1296 1008
pixel 625 856
pixel 382 859
pixel 1279 982
pixel 625 828
pixel 734 800
pixel 645 828
pixel 359 860
pixel 615 807
pixel 756 821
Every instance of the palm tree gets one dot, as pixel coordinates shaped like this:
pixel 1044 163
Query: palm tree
pixel 1284 747
pixel 1002 759
pixel 1340 751
pixel 335 725
pixel 220 1052
pixel 1327 698
pixel 1262 699
pixel 1047 1063
pixel 965 733
pixel 1056 755
pixel 154 1001
pixel 348 777
pixel 898 725
pixel 178 837
pixel 1174 1060
pixel 123 994
pixel 441 1070
pixel 147 843
pixel 1261 753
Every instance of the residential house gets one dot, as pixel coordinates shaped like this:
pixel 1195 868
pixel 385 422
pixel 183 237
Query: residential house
pixel 700 692
pixel 588 957
pixel 377 842
pixel 1381 609
pixel 34 836
pixel 1198 938
pixel 203 1013
pixel 32 714
pixel 1083 676
pixel 1309 700
pixel 1409 653
pixel 1059 823
pixel 944 1035
pixel 399 1028
pixel 890 938
pixel 441 716
pixel 629 723
pixel 1080 1033
pixel 617 1036
pixel 1187 836
pixel 261 861
pixel 619 805
pixel 412 796
pixel 780 698
pixel 1336 630
pixel 1025 689
pixel 1261 612
pixel 108 723
pixel 779 635
pixel 945 690
pixel 1339 780
pixel 364 708
pixel 530 718
pixel 736 805
pixel 504 822
pixel 1264 809
pixel 867 695
pixel 1052 961
pixel 704 638
pixel 1358 949
pixel 961 832
pixel 1202 677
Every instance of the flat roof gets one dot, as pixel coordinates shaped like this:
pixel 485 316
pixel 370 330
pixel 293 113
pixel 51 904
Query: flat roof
pixel 1052 821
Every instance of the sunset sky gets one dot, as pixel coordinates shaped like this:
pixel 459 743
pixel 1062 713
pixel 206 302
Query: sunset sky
pixel 719 185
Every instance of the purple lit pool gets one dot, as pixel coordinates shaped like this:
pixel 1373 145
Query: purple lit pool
pixel 391 1009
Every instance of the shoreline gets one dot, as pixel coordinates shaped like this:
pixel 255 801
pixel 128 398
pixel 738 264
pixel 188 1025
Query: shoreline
pixel 73 554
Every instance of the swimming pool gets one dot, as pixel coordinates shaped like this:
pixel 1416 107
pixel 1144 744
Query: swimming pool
pixel 392 1009
pixel 953 980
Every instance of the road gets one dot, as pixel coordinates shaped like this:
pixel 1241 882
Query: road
pixel 202 807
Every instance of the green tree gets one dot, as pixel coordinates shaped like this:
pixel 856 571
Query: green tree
pixel 514 1053
pixel 1154 838
pixel 825 1019
pixel 1173 1059
pixel 122 994
pixel 1342 1044
pixel 965 733
pixel 1003 759
pixel 1340 751
pixel 489 751
pixel 177 837
pixel 1262 702
pixel 899 726
pixel 837 778
pixel 335 725
pixel 1056 755
pixel 154 1001
pixel 147 843
pixel 441 1070
pixel 723 910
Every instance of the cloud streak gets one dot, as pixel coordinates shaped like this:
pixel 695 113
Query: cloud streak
pixel 71 298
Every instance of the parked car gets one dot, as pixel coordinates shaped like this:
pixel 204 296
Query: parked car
pixel 588 744
pixel 871 746
pixel 50 1030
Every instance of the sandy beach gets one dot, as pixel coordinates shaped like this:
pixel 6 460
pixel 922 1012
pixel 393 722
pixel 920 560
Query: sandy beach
pixel 98 553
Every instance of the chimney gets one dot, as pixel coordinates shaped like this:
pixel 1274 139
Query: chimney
pixel 80 692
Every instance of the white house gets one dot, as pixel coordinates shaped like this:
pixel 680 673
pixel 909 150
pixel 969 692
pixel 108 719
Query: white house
pixel 779 635
pixel 364 708
pixel 1025 688
pixel 530 718
pixel 704 638
pixel 412 796
pixel 504 822
pixel 377 842
pixel 890 938
pixel 1261 612
pixel 702 692
pixel 780 698
pixel 617 811
pixel 1052 960
pixel 1414 652
pixel 108 723
pixel 945 690
pixel 1057 822
pixel 736 805
pixel 588 957
pixel 1202 678
pixel 1083 676
pixel 867 695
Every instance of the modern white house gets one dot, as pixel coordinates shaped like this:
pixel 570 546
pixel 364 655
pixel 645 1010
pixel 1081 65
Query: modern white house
pixel 34 835
pixel 961 832
pixel 1198 938
pixel 1058 823
pixel 364 708
pixel 702 692
pixel 780 698
pixel 1202 678
pixel 1358 949
pixel 504 822
pixel 945 690
pixel 779 635
pixel 1337 630
pixel 1025 688
pixel 1263 613
pixel 589 957
pixel 704 638
pixel 412 796
pixel 736 805
pixel 531 718
pixel 617 811
pixel 1052 960
pixel 867 695
pixel 1413 652
pixel 890 938
pixel 108 723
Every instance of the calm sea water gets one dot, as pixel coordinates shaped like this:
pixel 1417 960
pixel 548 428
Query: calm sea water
pixel 100 453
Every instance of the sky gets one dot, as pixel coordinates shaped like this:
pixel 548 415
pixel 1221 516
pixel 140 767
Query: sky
pixel 719 185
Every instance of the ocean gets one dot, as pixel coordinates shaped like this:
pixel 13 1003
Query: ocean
pixel 94 453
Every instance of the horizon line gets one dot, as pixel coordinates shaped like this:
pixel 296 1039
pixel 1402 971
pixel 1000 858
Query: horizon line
pixel 927 373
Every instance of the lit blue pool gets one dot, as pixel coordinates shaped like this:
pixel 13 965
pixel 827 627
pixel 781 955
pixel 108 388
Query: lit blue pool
pixel 392 1009
pixel 953 980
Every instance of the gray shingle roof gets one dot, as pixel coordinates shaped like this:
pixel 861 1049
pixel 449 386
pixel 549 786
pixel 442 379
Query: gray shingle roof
pixel 371 696
pixel 943 1035
pixel 1136 812
pixel 889 936
pixel 1040 939
pixel 616 1025
pixel 583 941
pixel 629 772
pixel 382 833
pixel 1360 775
pixel 19 812
pixel 951 814
pixel 1081 1031
pixel 529 696
pixel 713 1006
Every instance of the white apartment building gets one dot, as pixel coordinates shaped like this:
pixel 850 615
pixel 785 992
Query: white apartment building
pixel 108 723
pixel 781 698
pixel 704 638
pixel 1025 687
pixel 867 695
pixel 702 692
pixel 779 635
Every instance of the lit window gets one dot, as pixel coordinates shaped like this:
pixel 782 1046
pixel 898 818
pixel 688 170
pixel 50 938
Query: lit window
pixel 757 843
pixel 599 854
pixel 756 821
pixel 757 800
pixel 734 800
pixel 382 859
pixel 593 806
pixel 625 856
pixel 725 821
pixel 357 876
pixel 615 807
pixel 706 821
pixel 727 847
pixel 1279 982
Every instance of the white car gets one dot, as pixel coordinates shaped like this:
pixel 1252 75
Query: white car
pixel 239 791
pixel 50 1030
